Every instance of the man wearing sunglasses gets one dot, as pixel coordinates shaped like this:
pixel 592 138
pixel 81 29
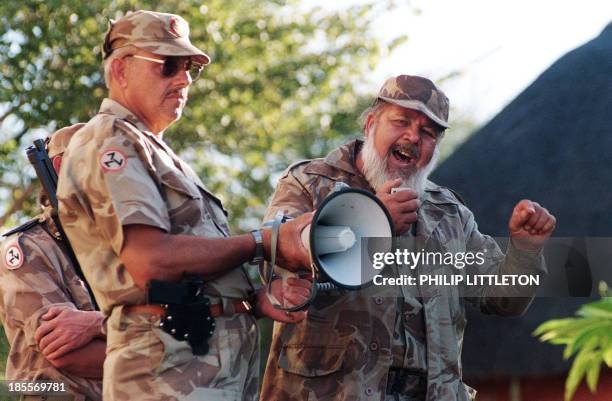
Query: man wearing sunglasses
pixel 143 225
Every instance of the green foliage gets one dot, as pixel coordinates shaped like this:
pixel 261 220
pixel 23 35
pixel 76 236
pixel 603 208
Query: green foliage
pixel 282 86
pixel 4 348
pixel 588 337
pixel 5 395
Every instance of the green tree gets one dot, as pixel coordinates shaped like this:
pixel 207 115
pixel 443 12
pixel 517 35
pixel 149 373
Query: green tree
pixel 588 337
pixel 282 87
pixel 4 393
pixel 3 352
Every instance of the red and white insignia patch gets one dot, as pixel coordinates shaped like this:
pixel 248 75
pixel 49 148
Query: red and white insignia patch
pixel 13 257
pixel 177 28
pixel 113 160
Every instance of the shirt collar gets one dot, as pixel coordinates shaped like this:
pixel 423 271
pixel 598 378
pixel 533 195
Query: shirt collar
pixel 345 157
pixel 110 106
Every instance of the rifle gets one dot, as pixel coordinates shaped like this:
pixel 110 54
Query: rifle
pixel 39 158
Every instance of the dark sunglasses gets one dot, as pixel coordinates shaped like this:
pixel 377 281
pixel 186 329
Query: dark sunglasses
pixel 173 64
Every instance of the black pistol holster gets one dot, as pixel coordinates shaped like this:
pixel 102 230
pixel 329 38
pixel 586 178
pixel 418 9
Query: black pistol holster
pixel 188 317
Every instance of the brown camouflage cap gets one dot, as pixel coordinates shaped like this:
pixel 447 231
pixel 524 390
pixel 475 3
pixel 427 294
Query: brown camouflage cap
pixel 58 142
pixel 158 33
pixel 417 93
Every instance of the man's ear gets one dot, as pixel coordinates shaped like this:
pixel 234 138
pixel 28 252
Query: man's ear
pixel 368 123
pixel 118 70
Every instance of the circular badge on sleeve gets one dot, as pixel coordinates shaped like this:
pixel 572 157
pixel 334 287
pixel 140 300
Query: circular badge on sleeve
pixel 113 160
pixel 13 256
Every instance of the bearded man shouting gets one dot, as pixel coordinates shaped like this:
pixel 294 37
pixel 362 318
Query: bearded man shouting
pixel 402 345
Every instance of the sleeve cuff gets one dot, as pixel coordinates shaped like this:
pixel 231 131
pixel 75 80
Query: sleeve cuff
pixel 31 325
pixel 525 260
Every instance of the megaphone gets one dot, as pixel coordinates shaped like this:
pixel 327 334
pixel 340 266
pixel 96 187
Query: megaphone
pixel 334 237
pixel 334 240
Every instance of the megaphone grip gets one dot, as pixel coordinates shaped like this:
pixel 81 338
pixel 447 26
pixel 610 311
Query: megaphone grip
pixel 278 220
pixel 332 239
pixel 326 287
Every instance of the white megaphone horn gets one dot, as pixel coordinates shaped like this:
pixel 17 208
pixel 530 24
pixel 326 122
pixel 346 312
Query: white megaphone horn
pixel 334 237
pixel 334 240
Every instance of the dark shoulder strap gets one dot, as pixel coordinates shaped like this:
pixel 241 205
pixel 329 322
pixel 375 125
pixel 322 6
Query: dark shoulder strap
pixel 24 227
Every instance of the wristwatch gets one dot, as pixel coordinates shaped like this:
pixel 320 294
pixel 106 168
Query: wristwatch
pixel 259 248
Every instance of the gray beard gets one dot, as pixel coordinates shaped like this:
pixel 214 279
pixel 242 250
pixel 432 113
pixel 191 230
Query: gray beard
pixel 375 169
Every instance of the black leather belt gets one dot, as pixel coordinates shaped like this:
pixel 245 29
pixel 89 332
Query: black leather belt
pixel 216 310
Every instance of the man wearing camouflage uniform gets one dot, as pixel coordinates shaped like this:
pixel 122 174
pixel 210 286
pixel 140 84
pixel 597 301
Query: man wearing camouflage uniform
pixel 135 212
pixel 363 345
pixel 45 309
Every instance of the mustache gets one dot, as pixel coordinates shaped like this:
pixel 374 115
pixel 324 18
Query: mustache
pixel 179 91
pixel 409 148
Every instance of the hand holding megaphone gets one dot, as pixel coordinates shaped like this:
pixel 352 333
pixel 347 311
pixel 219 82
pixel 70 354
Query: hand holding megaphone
pixel 291 253
pixel 402 204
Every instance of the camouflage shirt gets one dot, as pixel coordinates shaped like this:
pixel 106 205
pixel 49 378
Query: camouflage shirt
pixel 344 348
pixel 115 172
pixel 37 274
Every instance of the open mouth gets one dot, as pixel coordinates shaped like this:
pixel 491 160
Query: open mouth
pixel 406 153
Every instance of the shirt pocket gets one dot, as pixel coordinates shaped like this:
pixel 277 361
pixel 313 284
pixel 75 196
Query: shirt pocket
pixel 448 238
pixel 177 182
pixel 131 343
pixel 312 360
pixel 183 200
pixel 314 349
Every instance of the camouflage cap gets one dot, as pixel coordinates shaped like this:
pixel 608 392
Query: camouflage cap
pixel 58 142
pixel 158 33
pixel 416 93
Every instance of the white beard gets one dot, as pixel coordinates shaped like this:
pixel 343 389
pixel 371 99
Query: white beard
pixel 375 169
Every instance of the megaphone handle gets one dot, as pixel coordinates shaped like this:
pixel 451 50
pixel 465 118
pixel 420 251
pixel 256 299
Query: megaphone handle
pixel 271 276
pixel 278 220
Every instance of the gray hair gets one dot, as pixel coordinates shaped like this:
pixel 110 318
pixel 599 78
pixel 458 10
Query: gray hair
pixel 376 108
pixel 116 54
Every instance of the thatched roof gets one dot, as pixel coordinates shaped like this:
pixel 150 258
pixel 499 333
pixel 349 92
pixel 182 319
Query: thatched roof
pixel 552 144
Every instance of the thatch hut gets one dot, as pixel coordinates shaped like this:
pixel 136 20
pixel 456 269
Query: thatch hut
pixel 552 144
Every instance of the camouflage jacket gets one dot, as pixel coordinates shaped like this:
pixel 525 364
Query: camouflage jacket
pixel 343 349
pixel 37 274
pixel 115 172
